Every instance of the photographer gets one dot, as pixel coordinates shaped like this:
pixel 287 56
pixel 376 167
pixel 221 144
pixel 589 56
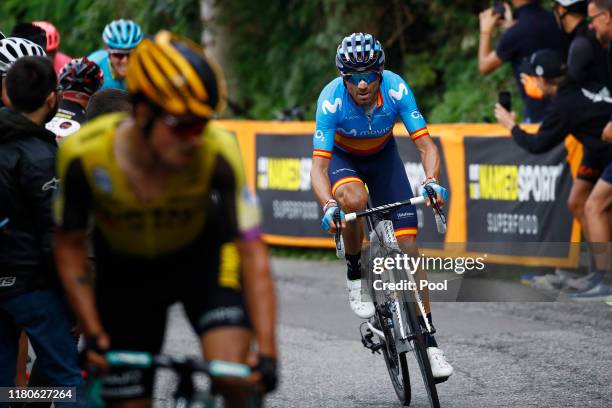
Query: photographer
pixel 534 29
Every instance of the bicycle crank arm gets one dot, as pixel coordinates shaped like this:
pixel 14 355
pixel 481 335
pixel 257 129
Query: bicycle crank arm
pixel 379 333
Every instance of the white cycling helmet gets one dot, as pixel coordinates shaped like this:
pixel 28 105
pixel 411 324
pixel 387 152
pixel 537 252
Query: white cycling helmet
pixel 13 48
pixel 573 6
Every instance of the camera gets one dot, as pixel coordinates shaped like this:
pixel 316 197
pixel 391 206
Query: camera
pixel 499 9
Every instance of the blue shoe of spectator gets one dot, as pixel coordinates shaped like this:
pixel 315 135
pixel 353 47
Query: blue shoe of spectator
pixel 601 291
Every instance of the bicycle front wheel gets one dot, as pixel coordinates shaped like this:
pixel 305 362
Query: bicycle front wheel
pixel 420 353
pixel 396 363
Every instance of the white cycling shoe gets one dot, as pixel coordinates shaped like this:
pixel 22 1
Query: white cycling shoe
pixel 440 368
pixel 363 310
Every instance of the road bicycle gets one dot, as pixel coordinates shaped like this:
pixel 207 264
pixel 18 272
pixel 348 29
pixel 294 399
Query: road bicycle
pixel 186 395
pixel 396 329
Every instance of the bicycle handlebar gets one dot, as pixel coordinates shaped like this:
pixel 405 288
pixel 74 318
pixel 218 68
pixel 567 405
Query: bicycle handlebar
pixel 214 368
pixel 387 207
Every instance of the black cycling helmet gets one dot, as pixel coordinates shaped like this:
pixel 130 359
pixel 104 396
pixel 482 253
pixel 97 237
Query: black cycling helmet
pixel 81 75
pixel 360 52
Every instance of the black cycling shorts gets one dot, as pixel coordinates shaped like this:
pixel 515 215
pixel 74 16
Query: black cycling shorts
pixel 133 296
pixel 591 166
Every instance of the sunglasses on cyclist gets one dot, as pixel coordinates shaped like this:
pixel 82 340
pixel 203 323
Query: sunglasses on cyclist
pixel 185 127
pixel 119 54
pixel 368 77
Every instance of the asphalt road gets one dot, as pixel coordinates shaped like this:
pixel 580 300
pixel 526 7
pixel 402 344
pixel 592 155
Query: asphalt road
pixel 505 354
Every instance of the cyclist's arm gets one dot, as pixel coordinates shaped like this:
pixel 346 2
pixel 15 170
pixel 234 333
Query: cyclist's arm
pixel 555 127
pixel 72 209
pixel 417 128
pixel 323 144
pixel 319 179
pixel 243 224
pixel 430 157
pixel 259 293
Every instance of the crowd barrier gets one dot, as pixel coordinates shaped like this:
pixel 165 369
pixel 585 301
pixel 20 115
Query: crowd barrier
pixel 499 193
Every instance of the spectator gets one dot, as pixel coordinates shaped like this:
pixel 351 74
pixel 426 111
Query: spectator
pixel 599 203
pixel 30 32
pixel 534 29
pixel 108 101
pixel 52 45
pixel 29 297
pixel 586 61
pixel 120 37
pixel 79 79
pixel 574 109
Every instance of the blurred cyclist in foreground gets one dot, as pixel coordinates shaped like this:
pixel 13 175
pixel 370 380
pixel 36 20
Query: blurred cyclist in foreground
pixel 173 221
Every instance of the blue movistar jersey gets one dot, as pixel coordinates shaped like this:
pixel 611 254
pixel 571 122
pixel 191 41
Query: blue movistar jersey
pixel 347 126
pixel 102 58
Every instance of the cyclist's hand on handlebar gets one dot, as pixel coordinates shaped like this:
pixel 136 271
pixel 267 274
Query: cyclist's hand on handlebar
pixel 265 373
pixel 327 222
pixel 441 193
pixel 95 346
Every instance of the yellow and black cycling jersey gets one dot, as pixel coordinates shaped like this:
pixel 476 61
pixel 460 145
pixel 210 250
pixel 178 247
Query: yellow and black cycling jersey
pixel 211 190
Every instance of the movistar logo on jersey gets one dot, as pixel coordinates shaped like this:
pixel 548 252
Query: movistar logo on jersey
pixel 399 94
pixel 328 107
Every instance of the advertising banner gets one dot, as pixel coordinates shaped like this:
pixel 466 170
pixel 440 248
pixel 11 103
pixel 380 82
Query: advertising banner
pixel 502 198
pixel 514 197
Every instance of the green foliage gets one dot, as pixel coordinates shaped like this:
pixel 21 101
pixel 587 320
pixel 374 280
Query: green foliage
pixel 282 53
pixel 81 21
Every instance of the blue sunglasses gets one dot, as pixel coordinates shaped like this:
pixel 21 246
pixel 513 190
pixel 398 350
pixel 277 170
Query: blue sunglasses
pixel 368 77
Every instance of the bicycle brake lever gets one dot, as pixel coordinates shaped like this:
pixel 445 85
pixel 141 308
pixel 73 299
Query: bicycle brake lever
pixel 338 235
pixel 438 213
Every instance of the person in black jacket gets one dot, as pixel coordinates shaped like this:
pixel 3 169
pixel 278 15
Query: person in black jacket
pixel 29 298
pixel 586 60
pixel 582 110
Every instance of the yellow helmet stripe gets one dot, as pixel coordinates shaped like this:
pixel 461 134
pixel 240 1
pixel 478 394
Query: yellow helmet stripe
pixel 163 39
pixel 167 95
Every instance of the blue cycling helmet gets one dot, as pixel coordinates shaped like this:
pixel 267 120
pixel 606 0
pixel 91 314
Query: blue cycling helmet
pixel 122 34
pixel 359 52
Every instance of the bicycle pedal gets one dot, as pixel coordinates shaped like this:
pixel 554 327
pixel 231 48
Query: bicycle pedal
pixel 366 340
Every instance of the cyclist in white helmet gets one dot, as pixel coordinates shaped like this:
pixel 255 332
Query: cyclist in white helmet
pixel 120 37
pixel 11 49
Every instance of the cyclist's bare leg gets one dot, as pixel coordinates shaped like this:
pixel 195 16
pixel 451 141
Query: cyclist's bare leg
pixel 229 344
pixel 352 197
pixel 598 208
pixel 577 199
pixel 409 246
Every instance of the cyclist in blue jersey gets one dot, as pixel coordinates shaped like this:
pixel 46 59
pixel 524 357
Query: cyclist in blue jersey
pixel 354 147
pixel 120 37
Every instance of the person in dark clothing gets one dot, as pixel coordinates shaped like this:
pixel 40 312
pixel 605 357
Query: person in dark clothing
pixel 580 110
pixel 109 100
pixel 31 32
pixel 534 29
pixel 30 300
pixel 586 60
